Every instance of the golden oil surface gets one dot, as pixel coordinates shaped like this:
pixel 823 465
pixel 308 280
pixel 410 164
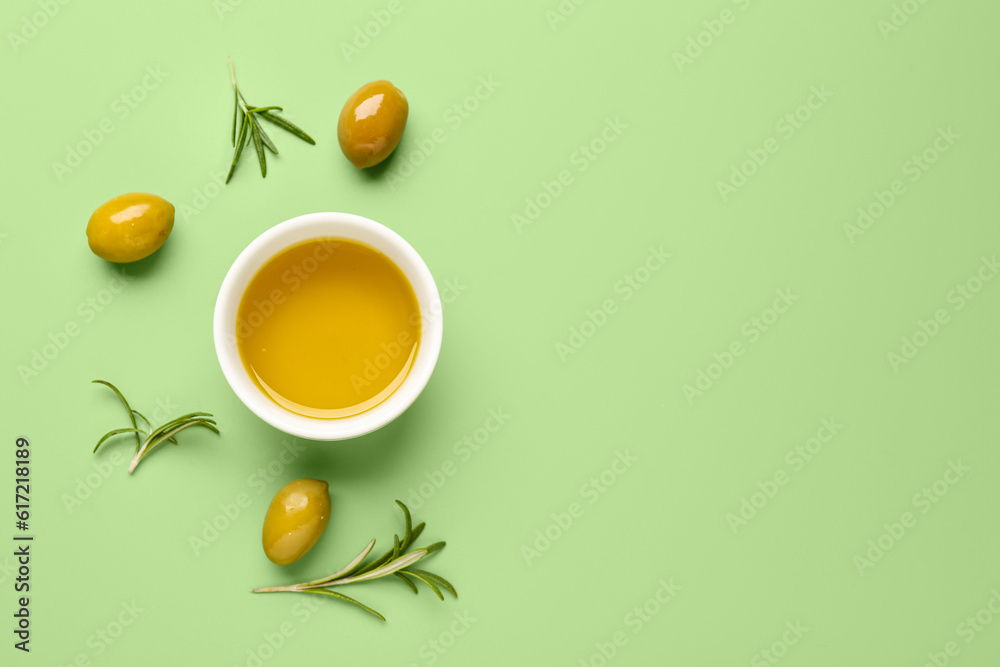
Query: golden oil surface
pixel 328 328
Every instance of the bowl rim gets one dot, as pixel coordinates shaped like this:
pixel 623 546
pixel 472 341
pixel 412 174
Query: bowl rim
pixel 292 232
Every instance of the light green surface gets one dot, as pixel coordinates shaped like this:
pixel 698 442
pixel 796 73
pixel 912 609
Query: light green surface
pixel 516 293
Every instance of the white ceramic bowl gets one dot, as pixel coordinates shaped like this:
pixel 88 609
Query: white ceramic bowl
pixel 291 232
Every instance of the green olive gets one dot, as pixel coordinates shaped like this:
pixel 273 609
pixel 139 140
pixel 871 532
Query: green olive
pixel 296 518
pixel 130 227
pixel 372 122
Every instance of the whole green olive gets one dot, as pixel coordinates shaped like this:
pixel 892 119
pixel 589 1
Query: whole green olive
pixel 372 122
pixel 130 227
pixel 295 520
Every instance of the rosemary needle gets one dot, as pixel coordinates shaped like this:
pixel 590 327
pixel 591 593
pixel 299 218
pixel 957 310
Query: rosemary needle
pixel 396 561
pixel 248 118
pixel 155 436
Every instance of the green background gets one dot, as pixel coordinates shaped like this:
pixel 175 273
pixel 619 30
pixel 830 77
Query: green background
pixel 518 292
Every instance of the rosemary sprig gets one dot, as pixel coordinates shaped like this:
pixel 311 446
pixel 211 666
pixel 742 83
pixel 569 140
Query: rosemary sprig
pixel 250 129
pixel 155 436
pixel 396 561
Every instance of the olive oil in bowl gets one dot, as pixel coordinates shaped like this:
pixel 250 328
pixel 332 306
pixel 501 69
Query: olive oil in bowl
pixel 328 328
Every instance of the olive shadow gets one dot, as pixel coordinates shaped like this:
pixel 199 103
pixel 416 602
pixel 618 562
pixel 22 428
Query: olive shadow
pixel 376 171
pixel 140 269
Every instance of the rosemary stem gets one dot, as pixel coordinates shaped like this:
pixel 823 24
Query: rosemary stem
pixel 239 93
pixel 376 569
pixel 277 589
